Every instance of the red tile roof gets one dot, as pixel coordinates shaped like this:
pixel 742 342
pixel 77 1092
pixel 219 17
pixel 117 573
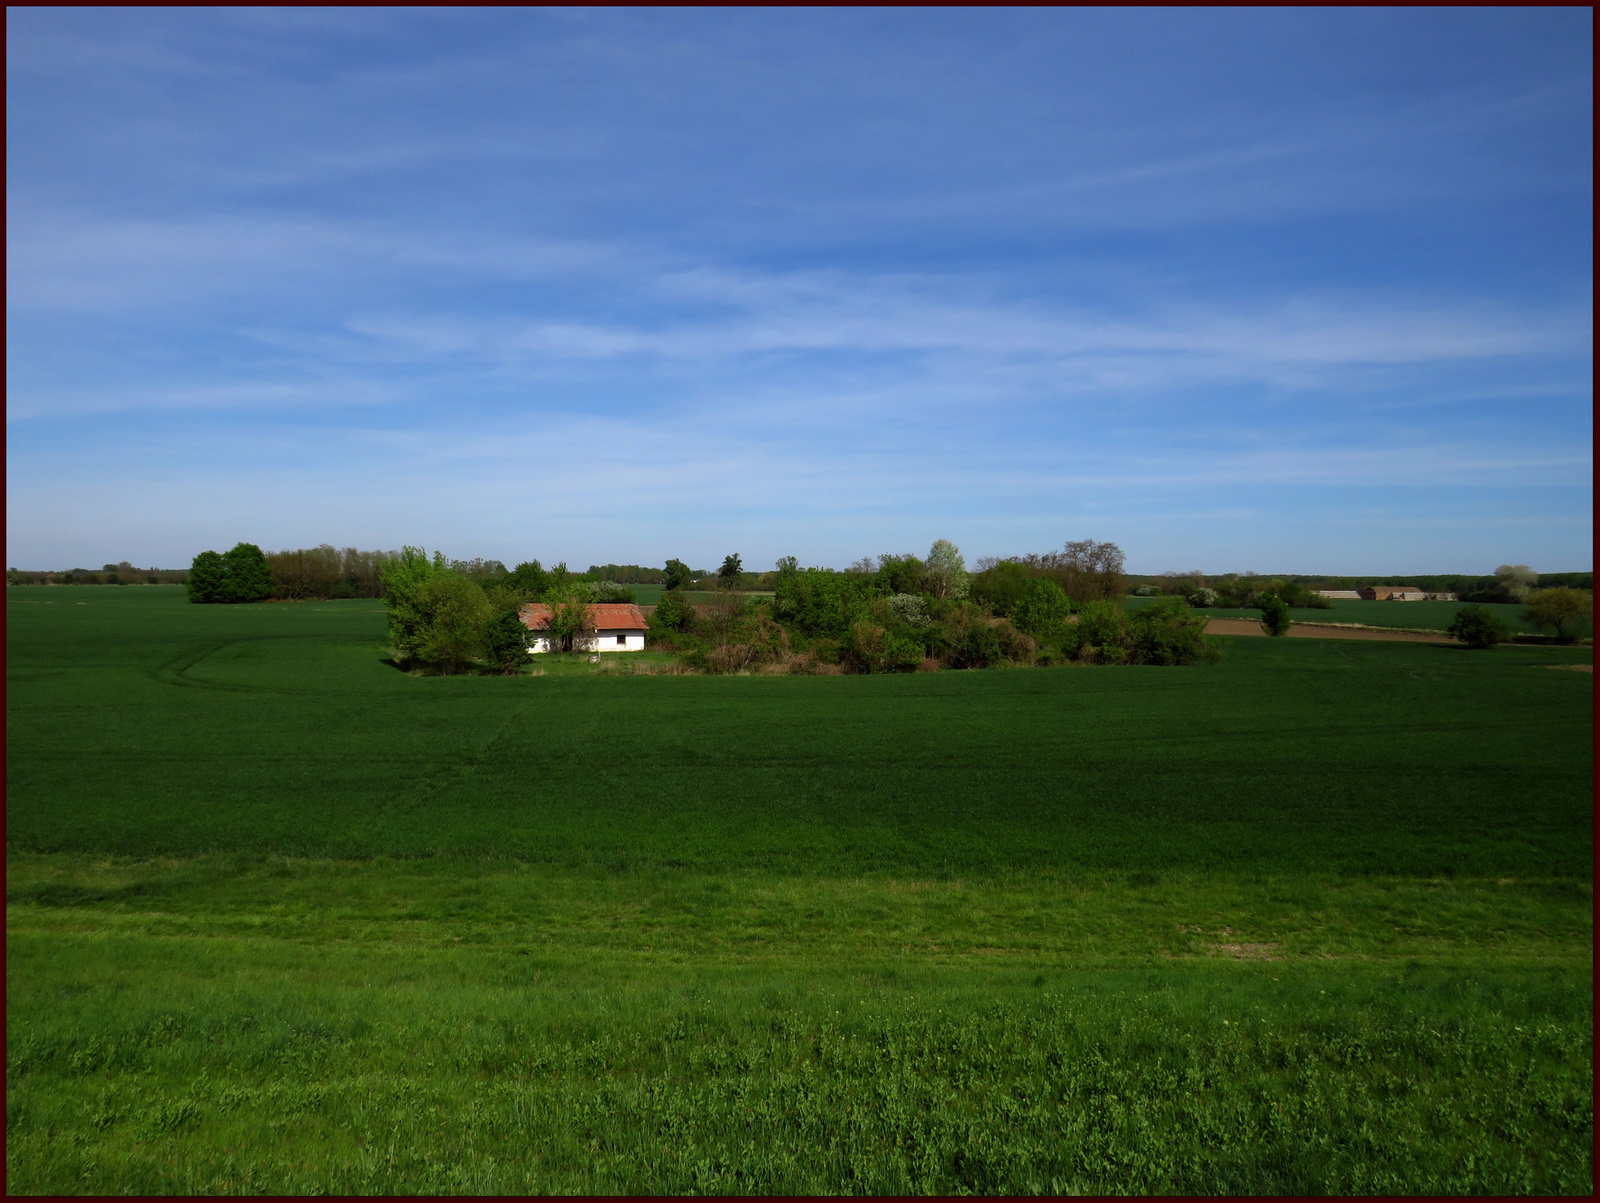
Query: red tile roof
pixel 605 616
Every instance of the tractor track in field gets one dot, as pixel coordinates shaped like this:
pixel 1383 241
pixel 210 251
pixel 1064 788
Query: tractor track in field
pixel 175 670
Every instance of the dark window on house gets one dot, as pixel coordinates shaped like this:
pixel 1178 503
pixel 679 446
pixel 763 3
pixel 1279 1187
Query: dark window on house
pixel 622 639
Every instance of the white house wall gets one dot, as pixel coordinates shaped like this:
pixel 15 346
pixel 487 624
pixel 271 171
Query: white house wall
pixel 601 641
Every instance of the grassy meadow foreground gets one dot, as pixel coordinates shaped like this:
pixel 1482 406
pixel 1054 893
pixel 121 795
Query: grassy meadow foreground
pixel 283 919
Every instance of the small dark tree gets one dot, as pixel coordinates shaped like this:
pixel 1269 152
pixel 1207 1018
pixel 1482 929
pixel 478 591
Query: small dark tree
pixel 208 577
pixel 1275 618
pixel 902 573
pixel 673 612
pixel 506 643
pixel 731 568
pixel 1477 627
pixel 677 575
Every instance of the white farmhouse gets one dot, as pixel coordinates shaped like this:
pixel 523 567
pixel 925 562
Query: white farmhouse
pixel 613 628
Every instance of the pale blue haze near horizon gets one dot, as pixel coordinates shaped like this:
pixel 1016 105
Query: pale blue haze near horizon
pixel 1302 290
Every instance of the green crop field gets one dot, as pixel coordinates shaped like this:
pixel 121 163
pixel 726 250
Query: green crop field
pixel 649 595
pixel 281 919
pixel 1419 616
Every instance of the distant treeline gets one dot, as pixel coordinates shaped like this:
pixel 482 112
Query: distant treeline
pixel 634 574
pixel 110 574
pixel 1489 588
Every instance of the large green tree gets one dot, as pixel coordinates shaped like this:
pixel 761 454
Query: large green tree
pixel 947 571
pixel 437 617
pixel 1514 581
pixel 239 575
pixel 506 640
pixel 1567 610
pixel 570 627
pixel 1043 609
pixel 677 575
pixel 249 577
pixel 208 577
pixel 456 616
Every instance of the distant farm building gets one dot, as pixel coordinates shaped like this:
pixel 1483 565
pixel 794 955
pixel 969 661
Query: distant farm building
pixel 613 628
pixel 1346 594
pixel 1392 593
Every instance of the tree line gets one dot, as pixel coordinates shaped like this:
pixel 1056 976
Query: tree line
pixel 1509 584
pixel 899 612
pixel 1237 592
pixel 111 574
pixel 896 612
pixel 893 613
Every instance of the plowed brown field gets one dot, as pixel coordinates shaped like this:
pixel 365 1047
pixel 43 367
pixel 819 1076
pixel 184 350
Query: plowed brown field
pixel 1302 630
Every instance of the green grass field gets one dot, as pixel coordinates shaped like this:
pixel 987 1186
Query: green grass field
pixel 1418 616
pixel 649 595
pixel 282 919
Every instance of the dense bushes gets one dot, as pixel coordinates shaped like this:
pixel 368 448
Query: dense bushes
pixel 1165 633
pixel 880 617
pixel 1477 627
pixel 733 634
pixel 903 614
pixel 818 601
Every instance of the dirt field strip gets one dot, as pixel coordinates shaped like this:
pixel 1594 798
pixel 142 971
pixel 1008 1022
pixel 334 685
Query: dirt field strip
pixel 1301 630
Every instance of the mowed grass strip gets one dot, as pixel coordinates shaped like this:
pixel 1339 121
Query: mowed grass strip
pixel 748 917
pixel 429 1026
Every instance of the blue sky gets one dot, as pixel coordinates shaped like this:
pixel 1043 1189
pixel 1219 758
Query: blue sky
pixel 1296 291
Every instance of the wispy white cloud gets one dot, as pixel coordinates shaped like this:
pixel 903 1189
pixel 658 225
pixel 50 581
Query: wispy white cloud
pixel 806 278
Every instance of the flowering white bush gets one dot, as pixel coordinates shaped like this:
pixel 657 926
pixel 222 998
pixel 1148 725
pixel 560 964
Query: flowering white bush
pixel 909 609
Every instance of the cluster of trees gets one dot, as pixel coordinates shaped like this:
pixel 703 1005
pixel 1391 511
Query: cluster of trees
pixel 1565 610
pixel 1247 592
pixel 1085 569
pixel 240 574
pixel 902 613
pixel 327 572
pixel 330 573
pixel 445 619
pixel 1511 584
pixel 455 616
pixel 123 573
pixel 636 574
